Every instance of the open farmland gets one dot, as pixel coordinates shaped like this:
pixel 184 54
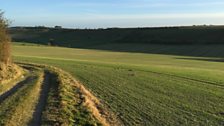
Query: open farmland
pixel 112 63
pixel 145 88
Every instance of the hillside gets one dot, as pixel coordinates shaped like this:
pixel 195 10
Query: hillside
pixel 92 38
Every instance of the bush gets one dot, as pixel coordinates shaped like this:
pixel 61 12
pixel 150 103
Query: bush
pixel 5 58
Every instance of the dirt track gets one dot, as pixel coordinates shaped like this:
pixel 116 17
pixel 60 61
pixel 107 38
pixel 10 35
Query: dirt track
pixel 36 120
pixel 45 86
pixel 87 99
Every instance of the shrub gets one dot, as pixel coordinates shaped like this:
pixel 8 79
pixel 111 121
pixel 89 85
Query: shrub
pixel 5 58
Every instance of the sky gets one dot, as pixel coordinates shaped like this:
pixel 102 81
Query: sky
pixel 113 13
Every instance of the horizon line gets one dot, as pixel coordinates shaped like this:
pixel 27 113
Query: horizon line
pixel 117 27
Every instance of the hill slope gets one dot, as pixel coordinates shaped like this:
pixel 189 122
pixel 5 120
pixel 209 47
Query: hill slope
pixel 87 38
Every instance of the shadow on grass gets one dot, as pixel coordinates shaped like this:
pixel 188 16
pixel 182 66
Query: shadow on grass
pixel 206 50
pixel 204 59
pixel 215 51
pixel 197 41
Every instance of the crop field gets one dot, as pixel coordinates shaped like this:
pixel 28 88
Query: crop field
pixel 142 88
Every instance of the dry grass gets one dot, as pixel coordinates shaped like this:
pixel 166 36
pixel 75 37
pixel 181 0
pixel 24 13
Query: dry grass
pixel 8 79
pixel 105 117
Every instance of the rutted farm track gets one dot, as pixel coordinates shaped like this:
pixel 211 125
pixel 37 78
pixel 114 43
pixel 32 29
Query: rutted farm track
pixel 50 96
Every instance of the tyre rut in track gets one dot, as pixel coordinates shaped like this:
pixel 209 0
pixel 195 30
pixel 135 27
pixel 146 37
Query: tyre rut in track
pixel 15 88
pixel 45 88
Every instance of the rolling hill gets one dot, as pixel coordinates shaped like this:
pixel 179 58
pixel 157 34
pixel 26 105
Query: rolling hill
pixel 87 38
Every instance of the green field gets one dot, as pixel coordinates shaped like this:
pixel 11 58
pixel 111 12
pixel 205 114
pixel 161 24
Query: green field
pixel 145 88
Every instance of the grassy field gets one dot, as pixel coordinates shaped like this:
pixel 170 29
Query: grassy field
pixel 143 89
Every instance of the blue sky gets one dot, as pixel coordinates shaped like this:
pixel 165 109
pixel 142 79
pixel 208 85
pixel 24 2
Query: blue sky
pixel 113 13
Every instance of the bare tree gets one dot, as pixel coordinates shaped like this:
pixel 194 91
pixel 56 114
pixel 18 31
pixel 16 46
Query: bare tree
pixel 5 41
